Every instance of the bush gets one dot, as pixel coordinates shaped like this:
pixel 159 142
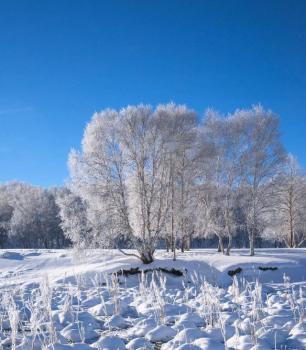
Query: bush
pixel 234 272
pixel 267 268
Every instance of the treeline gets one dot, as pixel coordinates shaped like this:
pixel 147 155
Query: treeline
pixel 145 178
pixel 29 217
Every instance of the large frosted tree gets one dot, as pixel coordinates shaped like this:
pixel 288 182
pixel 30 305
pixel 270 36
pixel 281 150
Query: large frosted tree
pixel 122 173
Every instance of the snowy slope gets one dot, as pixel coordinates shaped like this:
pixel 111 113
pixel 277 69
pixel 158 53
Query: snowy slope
pixel 22 266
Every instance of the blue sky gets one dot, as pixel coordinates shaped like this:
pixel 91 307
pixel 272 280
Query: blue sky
pixel 61 60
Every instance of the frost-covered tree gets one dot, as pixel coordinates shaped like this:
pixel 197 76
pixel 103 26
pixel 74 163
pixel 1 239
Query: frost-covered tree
pixel 210 220
pixel 223 133
pixel 262 156
pixel 29 216
pixel 56 237
pixel 184 152
pixel 217 216
pixel 73 214
pixel 248 154
pixel 288 206
pixel 121 174
pixel 6 212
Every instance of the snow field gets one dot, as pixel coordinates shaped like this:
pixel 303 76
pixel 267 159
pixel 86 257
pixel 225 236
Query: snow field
pixel 45 304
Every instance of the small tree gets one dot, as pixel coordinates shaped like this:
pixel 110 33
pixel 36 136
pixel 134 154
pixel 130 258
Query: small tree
pixel 73 215
pixel 262 156
pixel 6 213
pixel 223 133
pixel 183 156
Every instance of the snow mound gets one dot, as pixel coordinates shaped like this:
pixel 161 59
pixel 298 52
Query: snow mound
pixel 139 343
pixel 11 255
pixel 185 336
pixel 189 347
pixel 161 334
pixel 77 332
pixel 209 344
pixel 117 322
pixel 109 343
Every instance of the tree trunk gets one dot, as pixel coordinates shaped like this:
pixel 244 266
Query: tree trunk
pixel 167 241
pixel 174 250
pixel 229 245
pixel 291 220
pixel 252 243
pixel 291 235
pixel 183 245
pixel 189 240
pixel 146 257
pixel 220 245
pixel 187 244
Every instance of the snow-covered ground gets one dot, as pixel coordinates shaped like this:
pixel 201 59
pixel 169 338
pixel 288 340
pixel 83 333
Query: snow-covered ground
pixel 58 299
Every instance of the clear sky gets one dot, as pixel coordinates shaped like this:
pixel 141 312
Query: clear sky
pixel 61 60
